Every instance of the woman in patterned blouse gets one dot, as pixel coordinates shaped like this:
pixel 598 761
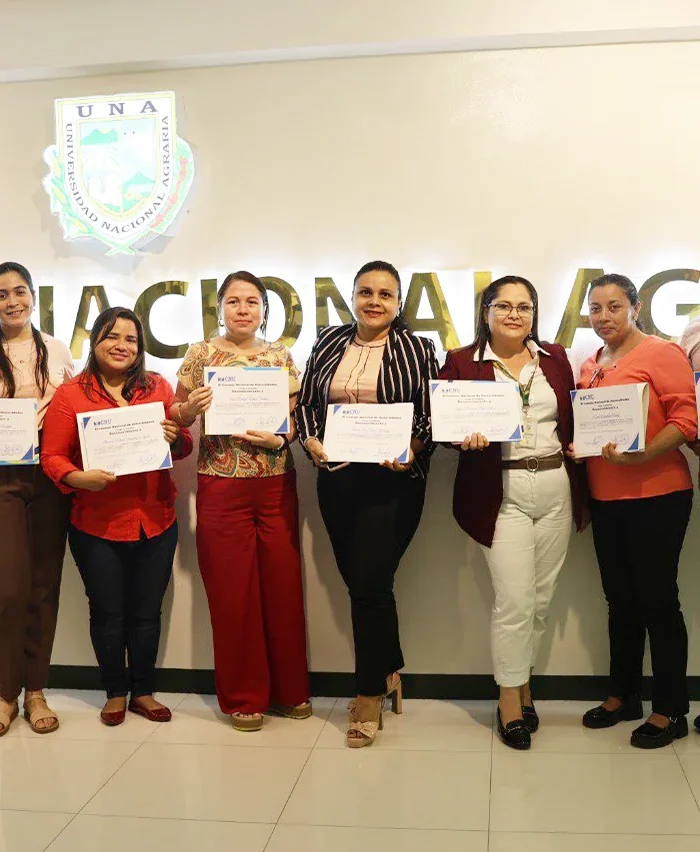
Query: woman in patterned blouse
pixel 248 525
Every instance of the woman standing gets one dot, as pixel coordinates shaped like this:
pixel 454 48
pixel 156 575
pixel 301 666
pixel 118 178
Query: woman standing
pixel 248 525
pixel 640 511
pixel 33 513
pixel 371 512
pixel 123 531
pixel 517 499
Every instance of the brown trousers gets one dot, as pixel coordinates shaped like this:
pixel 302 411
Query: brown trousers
pixel 33 528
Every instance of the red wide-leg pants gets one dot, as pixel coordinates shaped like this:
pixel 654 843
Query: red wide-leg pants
pixel 248 548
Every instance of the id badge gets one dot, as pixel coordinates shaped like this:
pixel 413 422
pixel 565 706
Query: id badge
pixel 529 438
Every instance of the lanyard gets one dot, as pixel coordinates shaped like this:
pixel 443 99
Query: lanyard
pixel 524 391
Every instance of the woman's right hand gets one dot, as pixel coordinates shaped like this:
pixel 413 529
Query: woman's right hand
pixel 572 455
pixel 90 480
pixel 473 442
pixel 198 402
pixel 315 448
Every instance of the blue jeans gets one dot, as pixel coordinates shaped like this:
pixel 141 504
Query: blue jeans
pixel 125 582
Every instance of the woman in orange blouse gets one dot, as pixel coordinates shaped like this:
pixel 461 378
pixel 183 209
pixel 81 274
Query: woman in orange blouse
pixel 123 531
pixel 640 509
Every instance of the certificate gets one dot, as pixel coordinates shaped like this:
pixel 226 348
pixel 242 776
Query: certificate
pixel 616 414
pixel 368 433
pixel 244 398
pixel 19 435
pixel 124 440
pixel 461 408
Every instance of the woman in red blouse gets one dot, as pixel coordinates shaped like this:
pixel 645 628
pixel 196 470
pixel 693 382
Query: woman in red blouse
pixel 123 531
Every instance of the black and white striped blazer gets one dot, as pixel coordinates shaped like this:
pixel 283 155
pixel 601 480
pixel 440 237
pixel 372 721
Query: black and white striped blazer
pixel 408 364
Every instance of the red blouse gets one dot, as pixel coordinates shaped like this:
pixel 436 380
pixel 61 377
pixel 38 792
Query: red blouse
pixel 132 503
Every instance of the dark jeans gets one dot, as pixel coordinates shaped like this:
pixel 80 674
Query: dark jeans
pixel 125 582
pixel 638 544
pixel 371 514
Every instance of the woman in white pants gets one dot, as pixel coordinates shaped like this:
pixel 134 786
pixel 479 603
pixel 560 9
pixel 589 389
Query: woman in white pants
pixel 517 499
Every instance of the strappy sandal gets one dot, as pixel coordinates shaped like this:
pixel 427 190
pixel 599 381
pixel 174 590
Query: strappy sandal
pixel 6 719
pixel 40 714
pixel 292 711
pixel 247 722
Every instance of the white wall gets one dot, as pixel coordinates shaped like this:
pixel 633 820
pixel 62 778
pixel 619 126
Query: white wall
pixel 531 162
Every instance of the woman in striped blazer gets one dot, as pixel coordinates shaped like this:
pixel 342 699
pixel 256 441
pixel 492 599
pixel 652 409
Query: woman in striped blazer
pixel 371 512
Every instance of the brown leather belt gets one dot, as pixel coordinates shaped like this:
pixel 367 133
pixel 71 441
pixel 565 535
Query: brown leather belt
pixel 533 464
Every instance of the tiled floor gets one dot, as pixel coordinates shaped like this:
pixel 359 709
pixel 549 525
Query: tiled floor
pixel 438 780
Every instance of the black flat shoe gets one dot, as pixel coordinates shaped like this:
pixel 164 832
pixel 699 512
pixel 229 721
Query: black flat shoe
pixel 530 717
pixel 651 736
pixel 697 724
pixel 629 711
pixel 514 734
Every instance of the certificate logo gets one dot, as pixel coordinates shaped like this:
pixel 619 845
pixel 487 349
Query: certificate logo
pixel 119 173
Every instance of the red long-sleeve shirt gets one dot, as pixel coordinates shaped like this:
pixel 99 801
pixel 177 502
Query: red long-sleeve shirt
pixel 132 503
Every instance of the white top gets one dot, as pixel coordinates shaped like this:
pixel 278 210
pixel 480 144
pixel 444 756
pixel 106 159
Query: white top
pixel 543 406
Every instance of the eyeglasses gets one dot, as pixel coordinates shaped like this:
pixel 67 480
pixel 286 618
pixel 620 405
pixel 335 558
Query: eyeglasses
pixel 504 309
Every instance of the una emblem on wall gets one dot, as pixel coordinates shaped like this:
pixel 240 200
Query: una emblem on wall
pixel 119 173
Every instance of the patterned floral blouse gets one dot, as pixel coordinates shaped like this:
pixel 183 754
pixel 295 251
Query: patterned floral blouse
pixel 220 455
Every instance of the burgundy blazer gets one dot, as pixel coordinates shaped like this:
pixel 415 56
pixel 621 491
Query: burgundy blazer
pixel 478 489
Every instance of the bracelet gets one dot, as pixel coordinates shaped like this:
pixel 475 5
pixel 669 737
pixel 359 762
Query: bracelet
pixel 284 445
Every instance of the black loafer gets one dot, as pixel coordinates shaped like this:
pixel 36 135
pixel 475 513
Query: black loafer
pixel 697 724
pixel 629 711
pixel 651 736
pixel 514 734
pixel 530 717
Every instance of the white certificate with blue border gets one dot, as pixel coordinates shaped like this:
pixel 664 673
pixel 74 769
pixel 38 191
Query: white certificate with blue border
pixel 462 407
pixel 19 436
pixel 247 398
pixel 368 433
pixel 610 415
pixel 124 440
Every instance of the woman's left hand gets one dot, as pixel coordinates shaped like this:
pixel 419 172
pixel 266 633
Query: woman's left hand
pixel 170 430
pixel 268 440
pixel 400 467
pixel 610 454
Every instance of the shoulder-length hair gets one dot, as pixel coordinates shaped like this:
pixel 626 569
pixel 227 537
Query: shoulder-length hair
pixel 41 367
pixel 490 294
pixel 137 377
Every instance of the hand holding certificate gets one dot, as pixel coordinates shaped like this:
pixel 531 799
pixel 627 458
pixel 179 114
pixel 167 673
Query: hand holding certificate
pixel 18 432
pixel 610 415
pixel 247 399
pixel 124 440
pixel 462 408
pixel 369 433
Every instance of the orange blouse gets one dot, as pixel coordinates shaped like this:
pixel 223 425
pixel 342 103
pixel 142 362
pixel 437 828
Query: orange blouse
pixel 665 368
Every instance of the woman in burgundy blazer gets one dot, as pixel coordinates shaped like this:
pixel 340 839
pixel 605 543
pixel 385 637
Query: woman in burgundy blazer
pixel 517 499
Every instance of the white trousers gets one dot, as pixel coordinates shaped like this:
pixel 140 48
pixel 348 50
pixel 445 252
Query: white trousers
pixel 529 547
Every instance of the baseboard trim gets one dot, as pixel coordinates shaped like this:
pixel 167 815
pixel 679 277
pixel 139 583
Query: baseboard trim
pixel 339 684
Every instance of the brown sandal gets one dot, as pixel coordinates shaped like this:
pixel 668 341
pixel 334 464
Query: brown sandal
pixel 292 711
pixel 40 714
pixel 7 719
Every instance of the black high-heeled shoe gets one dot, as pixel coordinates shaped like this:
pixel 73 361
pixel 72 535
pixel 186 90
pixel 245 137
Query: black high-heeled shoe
pixel 697 724
pixel 532 720
pixel 629 711
pixel 514 734
pixel 651 736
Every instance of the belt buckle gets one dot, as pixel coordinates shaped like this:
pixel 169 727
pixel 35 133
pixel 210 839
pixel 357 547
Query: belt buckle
pixel 535 464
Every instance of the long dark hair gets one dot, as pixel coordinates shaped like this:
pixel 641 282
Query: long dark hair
pixel 137 377
pixel 399 322
pixel 483 335
pixel 249 278
pixel 41 367
pixel 623 282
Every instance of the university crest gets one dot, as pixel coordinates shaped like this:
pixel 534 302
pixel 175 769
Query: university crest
pixel 119 173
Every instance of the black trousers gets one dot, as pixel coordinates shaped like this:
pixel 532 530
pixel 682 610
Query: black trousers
pixel 125 582
pixel 638 544
pixel 371 514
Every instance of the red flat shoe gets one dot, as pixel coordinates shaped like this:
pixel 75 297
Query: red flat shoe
pixel 160 714
pixel 112 719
